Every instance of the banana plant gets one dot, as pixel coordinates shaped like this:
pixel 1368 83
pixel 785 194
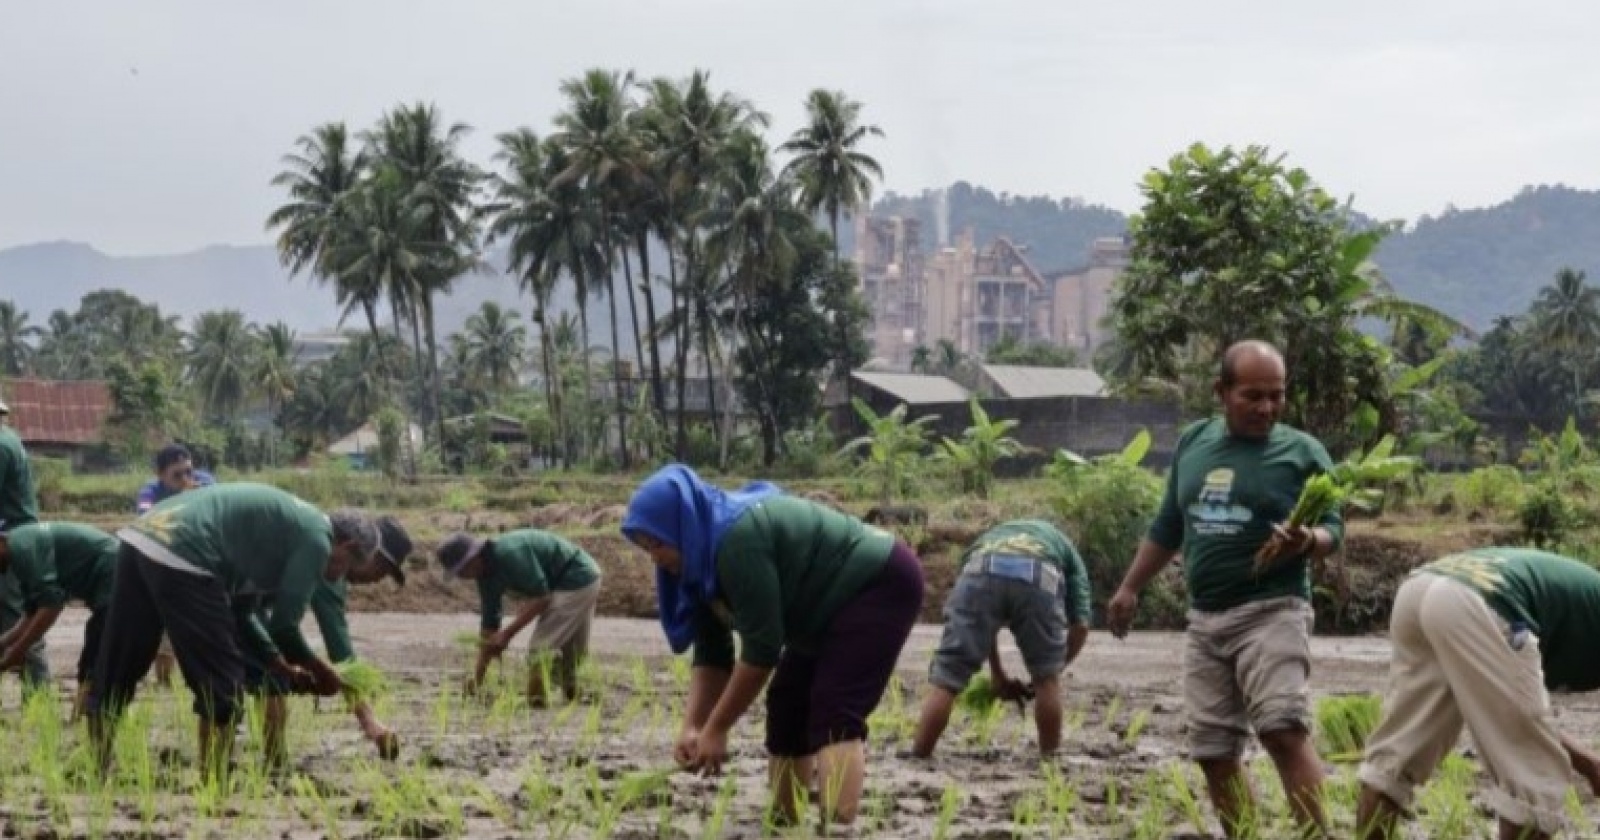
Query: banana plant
pixel 985 443
pixel 893 444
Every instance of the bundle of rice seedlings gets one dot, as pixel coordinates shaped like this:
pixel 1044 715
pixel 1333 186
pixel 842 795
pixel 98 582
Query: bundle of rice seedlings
pixel 363 681
pixel 979 695
pixel 1344 722
pixel 1322 495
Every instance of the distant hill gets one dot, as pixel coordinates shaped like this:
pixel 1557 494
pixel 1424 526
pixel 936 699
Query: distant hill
pixel 56 275
pixel 1474 264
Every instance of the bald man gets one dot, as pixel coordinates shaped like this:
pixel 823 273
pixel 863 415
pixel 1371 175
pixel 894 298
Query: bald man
pixel 1247 662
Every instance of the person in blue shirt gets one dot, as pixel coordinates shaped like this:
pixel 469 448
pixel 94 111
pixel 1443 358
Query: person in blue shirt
pixel 175 473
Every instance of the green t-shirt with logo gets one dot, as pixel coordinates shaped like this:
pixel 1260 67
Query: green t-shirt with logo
pixel 1223 496
pixel 531 563
pixel 1557 597
pixel 55 562
pixel 785 568
pixel 18 503
pixel 259 541
pixel 1043 541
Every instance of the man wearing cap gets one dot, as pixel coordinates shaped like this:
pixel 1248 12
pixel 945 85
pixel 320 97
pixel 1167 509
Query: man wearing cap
pixel 54 562
pixel 18 506
pixel 562 583
pixel 195 566
pixel 1024 575
pixel 328 605
pixel 175 473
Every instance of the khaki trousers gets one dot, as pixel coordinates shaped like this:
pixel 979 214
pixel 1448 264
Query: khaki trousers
pixel 1453 664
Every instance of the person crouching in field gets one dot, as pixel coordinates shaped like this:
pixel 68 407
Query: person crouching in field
pixel 55 562
pixel 821 597
pixel 175 473
pixel 188 567
pixel 1024 575
pixel 1481 638
pixel 562 583
pixel 328 606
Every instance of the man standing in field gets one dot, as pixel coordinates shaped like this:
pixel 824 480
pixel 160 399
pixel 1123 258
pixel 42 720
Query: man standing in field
pixel 1024 575
pixel 195 567
pixel 562 584
pixel 1247 661
pixel 18 506
pixel 54 562
pixel 1481 638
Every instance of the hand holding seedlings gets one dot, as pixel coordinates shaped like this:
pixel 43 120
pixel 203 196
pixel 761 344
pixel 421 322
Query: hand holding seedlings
pixel 1322 495
pixel 710 751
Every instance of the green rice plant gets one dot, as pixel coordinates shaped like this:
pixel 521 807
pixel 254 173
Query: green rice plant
pixel 949 807
pixel 363 681
pixel 1136 725
pixel 1027 812
pixel 1581 825
pixel 719 811
pixel 306 790
pixel 1183 796
pixel 979 696
pixel 1444 806
pixel 1112 712
pixel 1344 722
pixel 879 811
pixel 1061 799
pixel 1150 822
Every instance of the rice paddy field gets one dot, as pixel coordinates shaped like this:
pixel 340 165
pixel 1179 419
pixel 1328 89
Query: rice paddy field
pixel 490 767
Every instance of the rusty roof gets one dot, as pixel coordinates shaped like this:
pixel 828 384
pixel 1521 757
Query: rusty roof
pixel 57 412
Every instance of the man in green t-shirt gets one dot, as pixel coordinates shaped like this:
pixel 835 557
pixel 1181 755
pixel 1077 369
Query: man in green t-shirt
pixel 1024 575
pixel 54 562
pixel 562 584
pixel 1247 661
pixel 18 506
pixel 1481 638
pixel 197 566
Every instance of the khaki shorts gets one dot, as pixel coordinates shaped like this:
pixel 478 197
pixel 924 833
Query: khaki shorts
pixel 1246 668
pixel 564 625
pixel 1453 664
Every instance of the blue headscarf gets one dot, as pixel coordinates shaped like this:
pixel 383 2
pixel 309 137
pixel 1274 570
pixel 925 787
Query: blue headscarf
pixel 680 509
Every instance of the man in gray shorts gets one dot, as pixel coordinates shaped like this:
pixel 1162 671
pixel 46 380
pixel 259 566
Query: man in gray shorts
pixel 1027 576
pixel 1247 656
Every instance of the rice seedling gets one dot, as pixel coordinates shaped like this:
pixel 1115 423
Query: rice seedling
pixel 1113 711
pixel 949 806
pixel 1184 797
pixel 1444 806
pixel 719 811
pixel 1150 822
pixel 1136 725
pixel 363 681
pixel 306 790
pixel 1343 724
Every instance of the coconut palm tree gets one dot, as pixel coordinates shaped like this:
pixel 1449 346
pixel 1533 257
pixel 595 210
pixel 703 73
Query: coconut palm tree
pixel 495 346
pixel 221 361
pixel 830 172
pixel 317 178
pixel 1566 320
pixel 604 161
pixel 275 364
pixel 16 340
pixel 421 153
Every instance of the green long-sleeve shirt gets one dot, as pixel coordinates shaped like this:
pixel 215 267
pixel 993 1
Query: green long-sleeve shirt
pixel 55 562
pixel 18 503
pixel 531 563
pixel 259 540
pixel 786 567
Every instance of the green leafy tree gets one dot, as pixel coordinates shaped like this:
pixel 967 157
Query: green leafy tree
pixel 495 346
pixel 1566 321
pixel 1233 245
pixel 222 360
pixel 894 448
pixel 147 408
pixel 982 445
pixel 16 340
pixel 317 179
pixel 1009 351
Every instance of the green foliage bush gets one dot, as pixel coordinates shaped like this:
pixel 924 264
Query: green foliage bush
pixel 1547 515
pixel 1106 508
pixel 50 480
pixel 1490 489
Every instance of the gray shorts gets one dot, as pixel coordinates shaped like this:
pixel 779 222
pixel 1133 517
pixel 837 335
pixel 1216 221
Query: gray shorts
pixel 979 606
pixel 1244 669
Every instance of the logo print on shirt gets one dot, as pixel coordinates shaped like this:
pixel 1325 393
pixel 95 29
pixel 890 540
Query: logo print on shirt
pixel 160 524
pixel 1214 512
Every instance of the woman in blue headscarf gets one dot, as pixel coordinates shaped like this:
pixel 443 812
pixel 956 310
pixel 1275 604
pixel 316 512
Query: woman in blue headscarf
pixel 822 598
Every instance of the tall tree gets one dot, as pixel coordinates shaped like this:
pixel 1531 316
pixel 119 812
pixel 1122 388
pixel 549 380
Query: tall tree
pixel 16 340
pixel 829 169
pixel 421 153
pixel 221 361
pixel 604 161
pixel 1566 319
pixel 495 346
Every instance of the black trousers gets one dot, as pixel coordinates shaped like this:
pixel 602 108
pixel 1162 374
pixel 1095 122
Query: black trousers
pixel 194 611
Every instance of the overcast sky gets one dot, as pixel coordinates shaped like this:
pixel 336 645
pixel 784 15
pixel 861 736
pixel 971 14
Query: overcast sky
pixel 154 126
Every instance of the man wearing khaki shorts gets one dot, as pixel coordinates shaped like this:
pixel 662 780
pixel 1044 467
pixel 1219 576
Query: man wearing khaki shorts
pixel 1247 660
pixel 562 582
pixel 1479 639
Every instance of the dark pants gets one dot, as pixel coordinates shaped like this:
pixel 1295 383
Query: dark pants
pixel 35 670
pixel 93 632
pixel 195 613
pixel 825 698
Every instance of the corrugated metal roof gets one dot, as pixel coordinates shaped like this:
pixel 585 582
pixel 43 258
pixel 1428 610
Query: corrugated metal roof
pixel 1020 382
pixel 914 388
pixel 58 412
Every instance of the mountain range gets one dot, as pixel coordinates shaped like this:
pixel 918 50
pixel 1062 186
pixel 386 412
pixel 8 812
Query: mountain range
pixel 1475 264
